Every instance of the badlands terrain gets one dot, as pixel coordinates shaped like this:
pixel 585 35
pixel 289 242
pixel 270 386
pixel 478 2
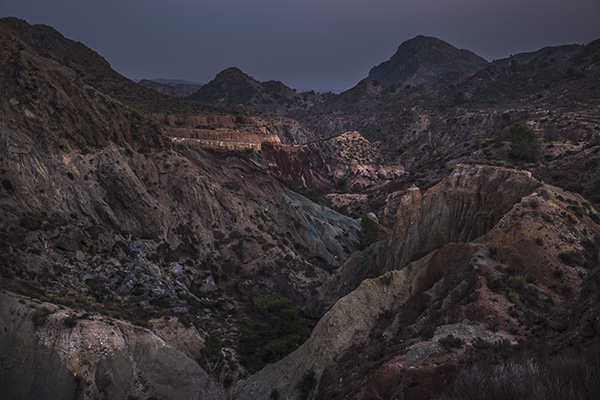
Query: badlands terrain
pixel 431 233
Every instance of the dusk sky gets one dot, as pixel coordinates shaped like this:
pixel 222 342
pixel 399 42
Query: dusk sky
pixel 307 44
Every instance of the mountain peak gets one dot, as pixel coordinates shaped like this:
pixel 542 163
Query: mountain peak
pixel 233 73
pixel 231 86
pixel 425 59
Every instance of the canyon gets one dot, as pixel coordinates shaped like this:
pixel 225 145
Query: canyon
pixel 411 236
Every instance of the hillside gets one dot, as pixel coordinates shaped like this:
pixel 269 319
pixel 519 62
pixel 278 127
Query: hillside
pixel 104 220
pixel 95 71
pixel 432 127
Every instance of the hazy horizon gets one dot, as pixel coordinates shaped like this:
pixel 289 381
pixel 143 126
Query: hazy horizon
pixel 320 45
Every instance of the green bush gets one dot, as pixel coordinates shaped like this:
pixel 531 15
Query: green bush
pixel 524 143
pixel 70 321
pixel 499 139
pixel 368 234
pixel 451 342
pixel 518 283
pixel 39 316
pixel 97 289
pixel 306 384
pixel 211 358
pixel 438 240
pixel 276 331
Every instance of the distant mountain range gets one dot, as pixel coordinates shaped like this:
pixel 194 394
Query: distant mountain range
pixel 419 60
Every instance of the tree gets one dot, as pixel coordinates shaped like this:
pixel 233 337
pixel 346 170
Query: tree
pixel 276 331
pixel 524 143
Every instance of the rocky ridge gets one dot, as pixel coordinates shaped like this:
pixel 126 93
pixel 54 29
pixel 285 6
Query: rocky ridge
pixel 472 292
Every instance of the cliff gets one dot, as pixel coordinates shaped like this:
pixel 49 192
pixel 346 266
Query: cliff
pixel 461 208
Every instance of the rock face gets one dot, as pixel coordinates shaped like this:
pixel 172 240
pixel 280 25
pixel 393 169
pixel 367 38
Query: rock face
pixel 22 353
pixel 93 359
pixel 346 162
pixel 461 208
pixel 424 60
pixel 517 283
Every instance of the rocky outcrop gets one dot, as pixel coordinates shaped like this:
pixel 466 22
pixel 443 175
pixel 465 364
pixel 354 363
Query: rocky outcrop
pixel 461 208
pixel 203 121
pixel 345 162
pixel 197 126
pixel 517 283
pixel 222 140
pixel 29 369
pixel 90 357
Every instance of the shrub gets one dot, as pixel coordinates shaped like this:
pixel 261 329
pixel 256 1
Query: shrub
pixel 572 258
pixel 495 285
pixel 368 234
pixel 276 331
pixel 514 298
pixel 451 342
pixel 306 384
pixel 235 235
pixel 70 321
pixel 517 282
pixel 573 377
pixel 211 357
pixel 499 139
pixel 97 289
pixel 438 241
pixel 525 144
pixel 39 316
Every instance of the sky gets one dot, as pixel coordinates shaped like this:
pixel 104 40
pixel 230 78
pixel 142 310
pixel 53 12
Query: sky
pixel 306 44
